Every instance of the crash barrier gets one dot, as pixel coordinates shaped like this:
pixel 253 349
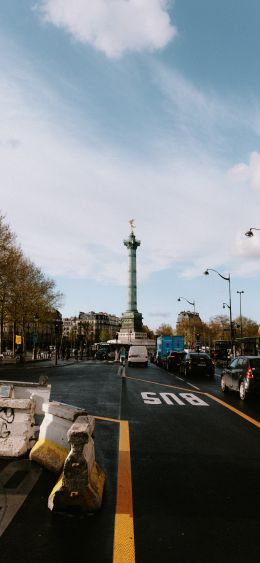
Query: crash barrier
pixel 82 481
pixel 19 403
pixel 43 356
pixel 52 447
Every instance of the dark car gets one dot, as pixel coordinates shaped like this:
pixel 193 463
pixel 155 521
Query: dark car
pixel 242 375
pixel 101 354
pixel 197 363
pixel 174 360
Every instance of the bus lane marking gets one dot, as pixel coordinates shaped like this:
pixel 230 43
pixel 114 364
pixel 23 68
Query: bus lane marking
pixel 151 398
pixel 213 397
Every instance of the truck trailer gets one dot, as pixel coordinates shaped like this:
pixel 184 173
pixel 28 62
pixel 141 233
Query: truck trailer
pixel 165 345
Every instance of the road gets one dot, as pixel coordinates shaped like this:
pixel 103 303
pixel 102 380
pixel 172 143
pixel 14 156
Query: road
pixel 184 488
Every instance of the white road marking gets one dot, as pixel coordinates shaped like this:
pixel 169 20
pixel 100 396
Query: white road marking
pixel 12 498
pixel 151 398
pixel 194 386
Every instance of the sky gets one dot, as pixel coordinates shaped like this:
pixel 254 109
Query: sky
pixel 112 110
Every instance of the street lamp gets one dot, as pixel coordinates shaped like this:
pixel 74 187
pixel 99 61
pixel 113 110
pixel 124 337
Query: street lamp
pixel 190 302
pixel 227 278
pixel 241 330
pixel 250 232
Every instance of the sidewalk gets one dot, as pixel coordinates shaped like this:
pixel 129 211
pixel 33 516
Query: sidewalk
pixel 10 361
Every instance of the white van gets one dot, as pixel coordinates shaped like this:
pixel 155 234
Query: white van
pixel 138 355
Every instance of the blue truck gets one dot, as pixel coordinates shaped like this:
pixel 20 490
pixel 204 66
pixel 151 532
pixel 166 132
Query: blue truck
pixel 165 345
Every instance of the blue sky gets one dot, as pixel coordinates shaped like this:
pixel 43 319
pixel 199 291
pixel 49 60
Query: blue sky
pixel 145 109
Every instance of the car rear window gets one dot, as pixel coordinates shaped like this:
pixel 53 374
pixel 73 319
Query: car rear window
pixel 200 356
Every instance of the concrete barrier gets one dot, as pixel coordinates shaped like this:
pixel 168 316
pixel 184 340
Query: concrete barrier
pixel 52 447
pixel 19 402
pixel 38 391
pixel 81 484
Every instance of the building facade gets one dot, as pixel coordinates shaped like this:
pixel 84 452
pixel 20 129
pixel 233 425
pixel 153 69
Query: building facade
pixel 91 326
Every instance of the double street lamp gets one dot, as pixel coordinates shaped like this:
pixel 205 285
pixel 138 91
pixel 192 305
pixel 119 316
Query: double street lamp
pixel 226 278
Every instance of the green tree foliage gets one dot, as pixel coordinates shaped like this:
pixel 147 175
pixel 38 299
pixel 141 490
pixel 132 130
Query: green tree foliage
pixel 104 335
pixel 25 291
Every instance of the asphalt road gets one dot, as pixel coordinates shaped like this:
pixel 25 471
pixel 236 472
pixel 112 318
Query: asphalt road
pixel 192 490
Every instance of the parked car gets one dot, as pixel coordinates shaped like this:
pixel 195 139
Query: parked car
pixel 138 355
pixel 242 375
pixel 173 361
pixel 197 363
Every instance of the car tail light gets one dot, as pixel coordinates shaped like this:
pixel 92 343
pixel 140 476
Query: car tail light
pixel 249 374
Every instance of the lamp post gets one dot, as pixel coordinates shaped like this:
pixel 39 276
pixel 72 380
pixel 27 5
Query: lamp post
pixel 226 278
pixel 35 335
pixel 250 232
pixel 57 328
pixel 241 330
pixel 193 304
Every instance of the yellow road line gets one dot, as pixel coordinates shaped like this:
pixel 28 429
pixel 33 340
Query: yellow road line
pixel 106 419
pixel 164 384
pixel 124 545
pixel 240 413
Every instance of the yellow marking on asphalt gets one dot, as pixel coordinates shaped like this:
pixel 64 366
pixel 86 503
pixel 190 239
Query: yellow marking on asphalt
pixel 233 409
pixel 163 384
pixel 124 544
pixel 106 419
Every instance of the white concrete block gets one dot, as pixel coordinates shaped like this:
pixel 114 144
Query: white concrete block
pixel 52 447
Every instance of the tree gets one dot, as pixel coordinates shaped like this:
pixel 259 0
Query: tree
pixel 164 330
pixel 249 327
pixel 219 327
pixel 24 289
pixel 104 335
pixel 148 331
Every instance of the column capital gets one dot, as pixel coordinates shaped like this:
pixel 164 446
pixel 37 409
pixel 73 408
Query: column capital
pixel 132 242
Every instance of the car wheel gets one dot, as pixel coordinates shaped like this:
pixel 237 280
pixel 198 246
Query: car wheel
pixel 223 384
pixel 242 391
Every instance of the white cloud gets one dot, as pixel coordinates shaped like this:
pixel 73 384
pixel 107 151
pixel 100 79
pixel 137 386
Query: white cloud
pixel 248 172
pixel 69 202
pixel 113 26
